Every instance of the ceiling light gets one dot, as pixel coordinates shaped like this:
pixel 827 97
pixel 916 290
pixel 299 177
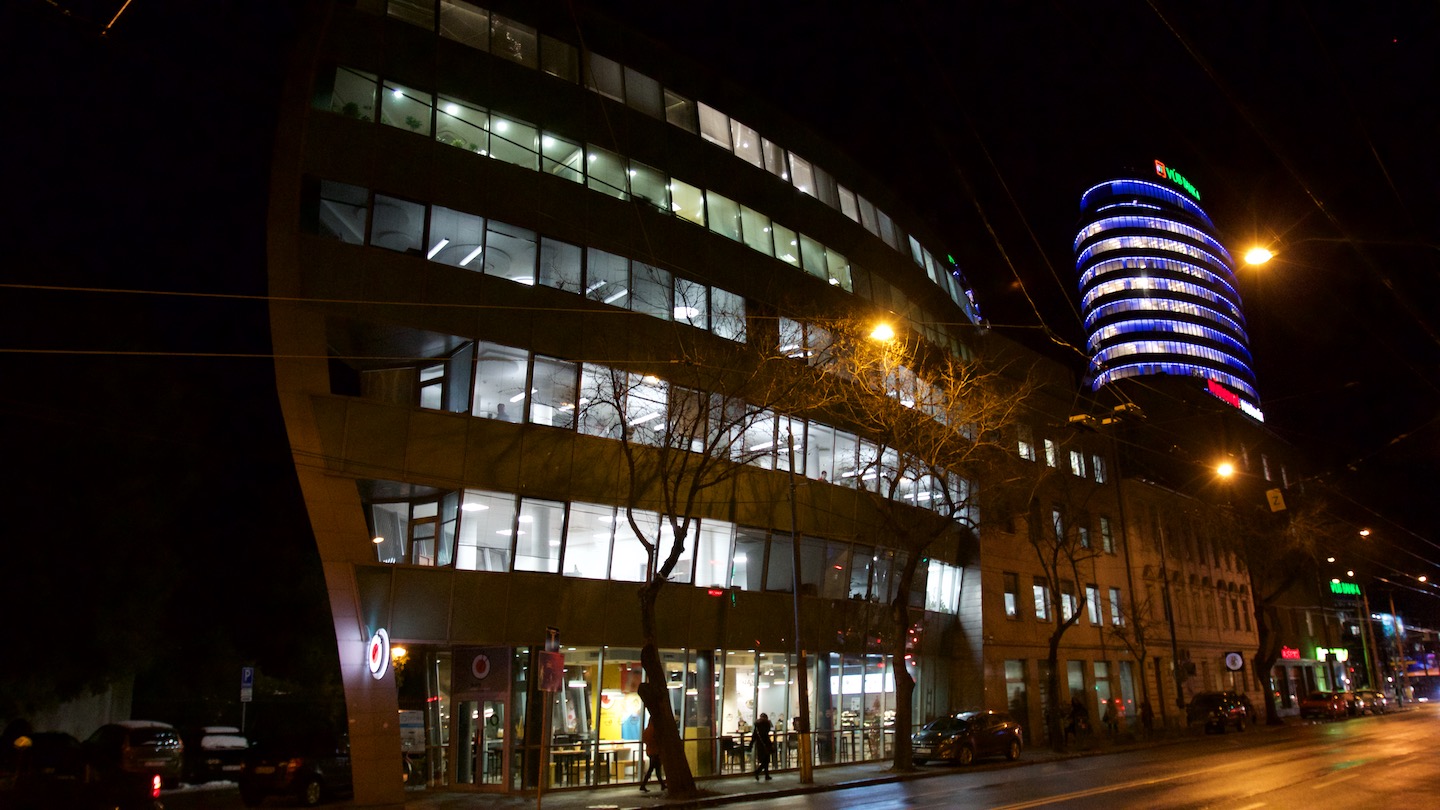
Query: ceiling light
pixel 439 246
pixel 470 257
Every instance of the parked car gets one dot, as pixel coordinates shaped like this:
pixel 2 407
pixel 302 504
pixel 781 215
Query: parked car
pixel 213 753
pixel 134 751
pixel 966 736
pixel 1375 701
pixel 1329 705
pixel 309 767
pixel 1217 711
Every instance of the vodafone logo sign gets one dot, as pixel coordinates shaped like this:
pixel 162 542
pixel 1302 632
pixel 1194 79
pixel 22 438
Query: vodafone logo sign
pixel 480 666
pixel 377 654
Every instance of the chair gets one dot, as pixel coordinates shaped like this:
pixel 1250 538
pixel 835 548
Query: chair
pixel 733 751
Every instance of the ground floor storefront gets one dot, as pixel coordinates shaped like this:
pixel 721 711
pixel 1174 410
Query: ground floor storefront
pixel 475 717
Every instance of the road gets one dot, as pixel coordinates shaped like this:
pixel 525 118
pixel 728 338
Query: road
pixel 1387 761
pixel 1369 762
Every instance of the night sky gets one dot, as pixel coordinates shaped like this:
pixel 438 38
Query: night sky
pixel 142 432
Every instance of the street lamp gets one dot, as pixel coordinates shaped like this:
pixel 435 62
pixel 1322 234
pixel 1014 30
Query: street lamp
pixel 1259 254
pixel 883 332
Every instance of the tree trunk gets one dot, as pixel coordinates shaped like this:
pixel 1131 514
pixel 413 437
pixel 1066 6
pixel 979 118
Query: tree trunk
pixel 1264 661
pixel 904 713
pixel 679 781
pixel 1054 717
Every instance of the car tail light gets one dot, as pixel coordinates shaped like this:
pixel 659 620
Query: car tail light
pixel 290 766
pixel 155 786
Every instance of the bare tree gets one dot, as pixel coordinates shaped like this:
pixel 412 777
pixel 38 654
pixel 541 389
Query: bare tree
pixel 932 424
pixel 713 413
pixel 1276 548
pixel 1139 623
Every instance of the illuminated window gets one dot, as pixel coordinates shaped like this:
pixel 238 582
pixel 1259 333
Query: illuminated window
pixel 1041 591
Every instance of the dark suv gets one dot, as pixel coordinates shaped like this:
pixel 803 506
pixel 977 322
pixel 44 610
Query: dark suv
pixel 963 737
pixel 309 767
pixel 1219 710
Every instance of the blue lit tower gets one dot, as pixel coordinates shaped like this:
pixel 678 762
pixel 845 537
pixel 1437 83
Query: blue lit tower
pixel 1157 289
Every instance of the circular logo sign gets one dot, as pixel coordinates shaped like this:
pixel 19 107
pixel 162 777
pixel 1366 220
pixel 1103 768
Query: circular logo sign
pixel 480 667
pixel 378 654
pixel 1234 661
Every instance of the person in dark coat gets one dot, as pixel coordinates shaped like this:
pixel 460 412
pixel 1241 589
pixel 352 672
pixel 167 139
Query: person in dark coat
pixel 764 746
pixel 652 753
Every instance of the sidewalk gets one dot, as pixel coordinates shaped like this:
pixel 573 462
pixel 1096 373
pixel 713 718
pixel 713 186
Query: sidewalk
pixel 729 789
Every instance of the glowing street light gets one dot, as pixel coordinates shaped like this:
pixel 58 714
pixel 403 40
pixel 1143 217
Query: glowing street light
pixel 882 332
pixel 1258 255
pixel 1364 532
pixel 1225 469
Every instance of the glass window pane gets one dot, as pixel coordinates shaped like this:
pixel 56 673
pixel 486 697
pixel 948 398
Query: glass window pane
pixel 559 59
pixel 727 315
pixel 712 553
pixel 684 564
pixel 691 307
pixel 792 338
pixel 812 565
pixel 510 252
pixel 680 111
pixel 774 159
pixel 746 143
pixel 499 382
pixel 748 561
pixel 687 201
pixel 643 94
pixel 537 539
pixel 415 12
pixel 819 452
pixel 649 184
pixel 462 125
pixel 487 522
pixel 787 244
pixel 801 177
pixel 598 395
pixel 607 278
pixel 651 291
pixel 862 560
pixel 812 256
pixel 836 579
pixel 559 265
pixel 605 77
pixel 867 216
pixel 756 227
pixel 646 407
pixel 553 392
pixel 511 40
pixel 343 210
pixel 628 561
pixel 847 449
pixel 714 126
pixel 757 446
pixel 455 238
pixel 406 108
pixel 724 215
pixel 837 270
pixel 466 23
pixel 780 567
pixel 399 224
pixel 887 230
pixel 514 142
pixel 561 158
pixel 606 172
pixel 848 206
pixel 587 540
pixel 826 189
pixel 353 94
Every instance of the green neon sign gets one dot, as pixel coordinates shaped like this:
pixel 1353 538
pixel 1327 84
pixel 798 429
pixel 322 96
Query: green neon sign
pixel 1176 178
pixel 1345 588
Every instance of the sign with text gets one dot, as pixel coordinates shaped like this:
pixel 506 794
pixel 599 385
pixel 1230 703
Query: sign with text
pixel 552 671
pixel 247 684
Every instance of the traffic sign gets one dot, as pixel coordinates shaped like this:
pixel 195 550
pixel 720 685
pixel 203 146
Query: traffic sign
pixel 247 684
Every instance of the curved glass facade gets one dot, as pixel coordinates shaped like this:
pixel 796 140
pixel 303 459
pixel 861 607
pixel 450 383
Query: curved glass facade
pixel 1157 289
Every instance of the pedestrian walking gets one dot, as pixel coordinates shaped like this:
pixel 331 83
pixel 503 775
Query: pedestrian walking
pixel 1147 718
pixel 1111 718
pixel 764 746
pixel 652 753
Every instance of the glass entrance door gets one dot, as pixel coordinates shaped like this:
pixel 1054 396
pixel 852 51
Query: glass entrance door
pixel 480 755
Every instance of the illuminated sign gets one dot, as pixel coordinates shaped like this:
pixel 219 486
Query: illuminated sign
pixel 1176 178
pixel 377 654
pixel 1233 399
pixel 1290 653
pixel 1338 653
pixel 1344 588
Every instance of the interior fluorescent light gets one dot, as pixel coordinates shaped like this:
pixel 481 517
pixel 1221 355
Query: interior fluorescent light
pixel 470 257
pixel 653 415
pixel 616 296
pixel 439 246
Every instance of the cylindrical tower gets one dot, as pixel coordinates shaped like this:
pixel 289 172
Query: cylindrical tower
pixel 1157 288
